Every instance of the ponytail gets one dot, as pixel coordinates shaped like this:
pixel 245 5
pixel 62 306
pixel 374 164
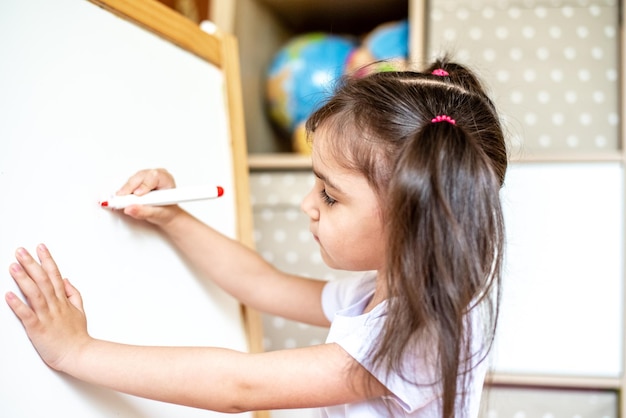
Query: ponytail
pixel 442 194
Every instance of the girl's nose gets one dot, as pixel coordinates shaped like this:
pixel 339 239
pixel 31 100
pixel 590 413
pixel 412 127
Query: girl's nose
pixel 309 206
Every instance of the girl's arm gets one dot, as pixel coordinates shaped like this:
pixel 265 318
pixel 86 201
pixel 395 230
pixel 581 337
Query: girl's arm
pixel 210 378
pixel 244 274
pixel 234 267
pixel 225 380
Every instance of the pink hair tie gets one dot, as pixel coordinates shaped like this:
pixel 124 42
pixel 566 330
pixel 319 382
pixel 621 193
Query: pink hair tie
pixel 440 72
pixel 443 118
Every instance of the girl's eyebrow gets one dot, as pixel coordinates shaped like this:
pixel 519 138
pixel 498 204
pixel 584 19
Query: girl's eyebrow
pixel 328 182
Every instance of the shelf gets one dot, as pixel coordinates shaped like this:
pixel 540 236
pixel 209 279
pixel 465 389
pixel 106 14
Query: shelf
pixel 569 382
pixel 292 161
pixel 279 161
pixel 608 156
pixel 262 27
pixel 351 16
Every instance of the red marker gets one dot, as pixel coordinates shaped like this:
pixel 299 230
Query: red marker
pixel 164 197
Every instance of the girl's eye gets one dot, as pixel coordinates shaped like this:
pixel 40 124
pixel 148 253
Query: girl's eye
pixel 327 199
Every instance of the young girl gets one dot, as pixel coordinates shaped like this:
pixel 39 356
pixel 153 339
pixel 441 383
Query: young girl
pixel 408 169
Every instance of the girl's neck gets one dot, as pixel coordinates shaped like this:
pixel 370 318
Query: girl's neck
pixel 380 293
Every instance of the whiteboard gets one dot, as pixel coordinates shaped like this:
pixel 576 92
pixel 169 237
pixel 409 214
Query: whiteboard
pixel 87 99
pixel 563 283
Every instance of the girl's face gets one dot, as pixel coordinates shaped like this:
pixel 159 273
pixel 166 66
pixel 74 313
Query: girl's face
pixel 345 216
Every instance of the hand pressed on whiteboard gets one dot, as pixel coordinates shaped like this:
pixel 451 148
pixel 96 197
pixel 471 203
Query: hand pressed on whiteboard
pixel 143 182
pixel 53 318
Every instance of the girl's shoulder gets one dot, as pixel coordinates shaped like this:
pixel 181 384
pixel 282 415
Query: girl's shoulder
pixel 344 293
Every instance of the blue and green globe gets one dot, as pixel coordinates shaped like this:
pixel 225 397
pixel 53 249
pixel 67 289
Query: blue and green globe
pixel 386 48
pixel 302 75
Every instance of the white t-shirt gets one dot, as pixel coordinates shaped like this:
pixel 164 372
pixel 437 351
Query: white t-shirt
pixel 343 302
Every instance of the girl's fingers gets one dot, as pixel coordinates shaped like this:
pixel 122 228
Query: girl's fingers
pixel 24 313
pixel 131 184
pixel 29 288
pixel 35 272
pixel 53 322
pixel 150 181
pixel 49 266
pixel 146 180
pixel 41 284
pixel 73 295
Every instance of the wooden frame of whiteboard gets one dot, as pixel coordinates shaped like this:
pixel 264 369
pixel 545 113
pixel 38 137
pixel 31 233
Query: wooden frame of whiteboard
pixel 221 50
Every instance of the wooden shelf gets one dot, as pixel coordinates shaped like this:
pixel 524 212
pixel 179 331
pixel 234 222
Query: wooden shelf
pixel 556 382
pixel 608 156
pixel 292 161
pixel 263 27
pixel 195 10
pixel 279 161
pixel 351 16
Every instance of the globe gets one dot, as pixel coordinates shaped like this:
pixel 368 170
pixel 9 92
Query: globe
pixel 386 46
pixel 301 77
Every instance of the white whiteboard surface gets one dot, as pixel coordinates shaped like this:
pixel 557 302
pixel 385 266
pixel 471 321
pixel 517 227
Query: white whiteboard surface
pixel 87 99
pixel 562 292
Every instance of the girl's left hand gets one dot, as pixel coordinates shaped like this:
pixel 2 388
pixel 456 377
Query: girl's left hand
pixel 53 318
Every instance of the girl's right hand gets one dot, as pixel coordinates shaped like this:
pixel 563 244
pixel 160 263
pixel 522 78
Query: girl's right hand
pixel 52 313
pixel 143 182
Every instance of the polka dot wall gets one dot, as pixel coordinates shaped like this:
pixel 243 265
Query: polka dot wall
pixel 552 67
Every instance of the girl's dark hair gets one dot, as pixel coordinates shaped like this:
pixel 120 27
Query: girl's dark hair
pixel 438 184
